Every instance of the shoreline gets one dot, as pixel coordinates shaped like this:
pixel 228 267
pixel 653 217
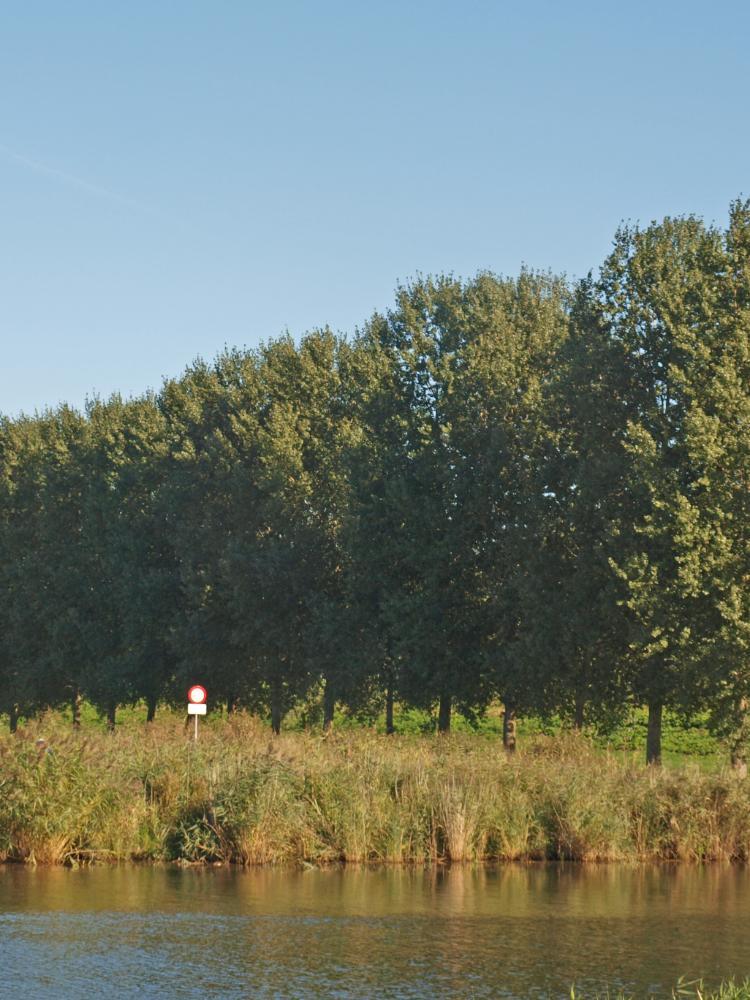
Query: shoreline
pixel 439 864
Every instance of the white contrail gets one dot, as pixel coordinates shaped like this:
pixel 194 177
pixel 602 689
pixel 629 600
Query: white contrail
pixel 61 175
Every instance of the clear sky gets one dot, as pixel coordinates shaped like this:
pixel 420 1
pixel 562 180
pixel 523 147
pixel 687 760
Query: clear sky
pixel 176 176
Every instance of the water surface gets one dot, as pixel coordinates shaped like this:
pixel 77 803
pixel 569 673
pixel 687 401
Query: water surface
pixel 512 931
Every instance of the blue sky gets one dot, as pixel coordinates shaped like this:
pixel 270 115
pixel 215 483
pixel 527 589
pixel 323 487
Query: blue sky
pixel 177 175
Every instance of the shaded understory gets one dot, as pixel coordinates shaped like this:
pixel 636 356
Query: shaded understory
pixel 239 796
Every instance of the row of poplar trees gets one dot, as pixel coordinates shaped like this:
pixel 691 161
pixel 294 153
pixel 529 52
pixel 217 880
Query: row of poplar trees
pixel 512 489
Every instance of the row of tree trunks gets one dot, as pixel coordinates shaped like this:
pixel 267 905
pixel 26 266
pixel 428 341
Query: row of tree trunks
pixel 738 749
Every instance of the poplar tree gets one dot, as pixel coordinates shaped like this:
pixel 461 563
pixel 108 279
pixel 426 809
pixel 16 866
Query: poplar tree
pixel 711 509
pixel 207 435
pixel 376 569
pixel 285 561
pixel 125 523
pixel 430 615
pixel 468 360
pixel 573 642
pixel 517 329
pixel 660 292
pixel 23 649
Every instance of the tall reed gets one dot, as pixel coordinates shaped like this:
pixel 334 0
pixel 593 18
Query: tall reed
pixel 243 796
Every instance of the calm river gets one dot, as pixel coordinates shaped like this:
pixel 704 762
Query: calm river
pixel 461 932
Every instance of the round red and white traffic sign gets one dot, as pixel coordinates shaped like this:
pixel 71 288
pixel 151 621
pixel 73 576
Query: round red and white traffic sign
pixel 197 694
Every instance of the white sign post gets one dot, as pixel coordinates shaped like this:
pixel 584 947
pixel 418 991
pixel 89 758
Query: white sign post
pixel 196 705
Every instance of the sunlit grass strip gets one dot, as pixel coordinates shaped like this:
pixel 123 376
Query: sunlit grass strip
pixel 241 796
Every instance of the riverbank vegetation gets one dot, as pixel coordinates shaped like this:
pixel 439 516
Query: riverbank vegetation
pixel 519 490
pixel 242 795
pixel 728 990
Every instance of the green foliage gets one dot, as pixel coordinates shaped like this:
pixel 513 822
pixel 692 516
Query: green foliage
pixel 501 489
pixel 689 737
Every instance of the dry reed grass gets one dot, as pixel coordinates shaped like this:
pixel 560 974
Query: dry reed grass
pixel 242 796
pixel 696 989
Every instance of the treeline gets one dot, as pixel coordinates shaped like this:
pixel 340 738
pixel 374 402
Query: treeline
pixel 501 488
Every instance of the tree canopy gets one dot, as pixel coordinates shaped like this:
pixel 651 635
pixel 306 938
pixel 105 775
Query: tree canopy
pixel 501 488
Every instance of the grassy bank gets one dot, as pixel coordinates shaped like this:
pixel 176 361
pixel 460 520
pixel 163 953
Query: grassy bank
pixel 729 990
pixel 146 793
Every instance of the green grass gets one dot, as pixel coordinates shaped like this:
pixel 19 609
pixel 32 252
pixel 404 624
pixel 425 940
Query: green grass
pixel 242 796
pixel 683 740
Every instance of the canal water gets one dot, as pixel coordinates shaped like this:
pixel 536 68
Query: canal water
pixel 512 931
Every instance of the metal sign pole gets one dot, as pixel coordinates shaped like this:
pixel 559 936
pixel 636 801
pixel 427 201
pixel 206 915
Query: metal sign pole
pixel 196 706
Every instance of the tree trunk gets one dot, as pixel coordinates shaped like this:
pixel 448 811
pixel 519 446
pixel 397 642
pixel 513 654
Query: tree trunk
pixel 150 708
pixel 329 704
pixel 653 737
pixel 232 704
pixel 580 711
pixel 111 712
pixel 444 714
pixel 276 707
pixel 509 727
pixel 75 704
pixel 389 727
pixel 13 718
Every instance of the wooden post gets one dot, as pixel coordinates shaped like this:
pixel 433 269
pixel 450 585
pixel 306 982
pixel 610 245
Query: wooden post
pixel 509 728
